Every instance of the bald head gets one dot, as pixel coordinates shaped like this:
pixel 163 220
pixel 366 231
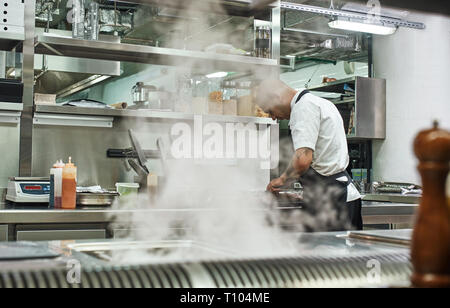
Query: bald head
pixel 274 97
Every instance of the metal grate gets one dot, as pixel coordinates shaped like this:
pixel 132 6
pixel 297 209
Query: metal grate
pixel 309 272
pixel 395 270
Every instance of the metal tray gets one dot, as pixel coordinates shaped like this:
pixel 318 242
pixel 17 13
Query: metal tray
pixel 150 251
pixel 96 199
pixel 400 237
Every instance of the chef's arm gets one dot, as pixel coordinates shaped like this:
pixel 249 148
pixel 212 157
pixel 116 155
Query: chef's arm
pixel 300 163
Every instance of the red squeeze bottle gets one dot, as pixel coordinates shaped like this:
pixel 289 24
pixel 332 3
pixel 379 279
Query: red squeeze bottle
pixel 69 185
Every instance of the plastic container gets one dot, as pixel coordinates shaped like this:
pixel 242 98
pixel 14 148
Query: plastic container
pixel 125 189
pixel 69 186
pixel 55 198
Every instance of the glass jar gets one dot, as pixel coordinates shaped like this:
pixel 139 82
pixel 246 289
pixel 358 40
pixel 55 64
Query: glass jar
pixel 78 11
pixel 215 96
pixel 263 41
pixel 245 104
pixel 183 101
pixel 229 98
pixel 200 95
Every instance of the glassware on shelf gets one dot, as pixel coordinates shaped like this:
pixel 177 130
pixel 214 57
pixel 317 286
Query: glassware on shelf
pixel 263 40
pixel 200 95
pixel 78 19
pixel 185 95
pixel 92 22
pixel 245 104
pixel 229 98
pixel 215 96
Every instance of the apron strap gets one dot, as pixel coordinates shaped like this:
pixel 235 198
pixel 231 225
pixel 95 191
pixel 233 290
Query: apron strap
pixel 301 95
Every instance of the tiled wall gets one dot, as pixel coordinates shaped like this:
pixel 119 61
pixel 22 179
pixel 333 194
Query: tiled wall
pixel 415 64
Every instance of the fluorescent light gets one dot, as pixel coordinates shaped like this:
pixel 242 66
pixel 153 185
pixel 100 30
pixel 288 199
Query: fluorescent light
pixel 217 75
pixel 362 27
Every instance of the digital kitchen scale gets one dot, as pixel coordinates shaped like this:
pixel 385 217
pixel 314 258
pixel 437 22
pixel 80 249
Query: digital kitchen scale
pixel 28 190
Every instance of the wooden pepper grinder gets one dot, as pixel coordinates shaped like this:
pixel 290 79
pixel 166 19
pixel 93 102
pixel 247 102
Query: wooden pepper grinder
pixel 430 249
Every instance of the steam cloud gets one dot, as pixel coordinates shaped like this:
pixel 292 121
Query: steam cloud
pixel 215 205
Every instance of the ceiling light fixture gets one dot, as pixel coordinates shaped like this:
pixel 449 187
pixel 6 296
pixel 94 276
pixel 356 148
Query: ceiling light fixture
pixel 217 75
pixel 361 26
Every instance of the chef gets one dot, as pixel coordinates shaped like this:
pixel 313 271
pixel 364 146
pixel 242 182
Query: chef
pixel 320 159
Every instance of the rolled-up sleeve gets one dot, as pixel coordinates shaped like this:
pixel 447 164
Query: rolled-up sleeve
pixel 305 125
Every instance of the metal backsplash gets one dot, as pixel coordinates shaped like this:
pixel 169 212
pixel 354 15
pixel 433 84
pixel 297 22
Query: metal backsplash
pixel 88 145
pixel 9 145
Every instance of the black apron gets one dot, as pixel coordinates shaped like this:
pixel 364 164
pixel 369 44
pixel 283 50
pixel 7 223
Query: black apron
pixel 325 200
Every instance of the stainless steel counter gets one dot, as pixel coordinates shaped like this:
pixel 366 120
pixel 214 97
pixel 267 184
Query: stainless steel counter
pixel 372 212
pixel 397 198
pixel 331 259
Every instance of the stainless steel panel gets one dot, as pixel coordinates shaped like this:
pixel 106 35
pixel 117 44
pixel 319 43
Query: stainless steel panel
pixel 9 117
pixel 9 143
pixel 370 101
pixel 50 235
pixel 2 64
pixel 11 106
pixel 370 108
pixel 276 36
pixel 26 123
pixel 3 233
pixel 87 146
pixel 77 65
pixel 71 120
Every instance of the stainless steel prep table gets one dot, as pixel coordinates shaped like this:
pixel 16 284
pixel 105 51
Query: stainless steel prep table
pixel 329 259
pixel 96 221
pixel 376 212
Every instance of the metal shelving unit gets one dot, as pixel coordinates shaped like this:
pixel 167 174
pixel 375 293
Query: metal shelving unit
pixel 51 44
pixel 368 103
pixel 8 41
pixel 229 7
pixel 102 50
pixel 334 86
pixel 149 114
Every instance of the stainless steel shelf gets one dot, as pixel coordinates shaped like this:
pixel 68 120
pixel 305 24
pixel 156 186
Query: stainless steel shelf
pixel 11 106
pixel 97 214
pixel 334 86
pixel 229 7
pixel 151 114
pixel 67 46
pixel 10 40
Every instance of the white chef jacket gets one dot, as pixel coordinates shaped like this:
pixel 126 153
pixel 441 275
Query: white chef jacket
pixel 316 123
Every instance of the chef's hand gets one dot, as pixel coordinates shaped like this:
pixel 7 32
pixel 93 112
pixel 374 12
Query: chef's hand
pixel 275 185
